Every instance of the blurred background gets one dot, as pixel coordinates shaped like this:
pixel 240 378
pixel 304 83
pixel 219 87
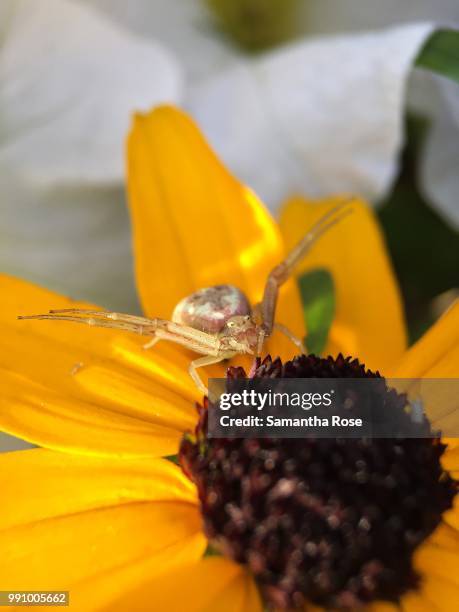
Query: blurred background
pixel 297 96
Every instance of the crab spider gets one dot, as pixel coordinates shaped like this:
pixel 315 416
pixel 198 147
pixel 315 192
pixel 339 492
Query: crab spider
pixel 216 322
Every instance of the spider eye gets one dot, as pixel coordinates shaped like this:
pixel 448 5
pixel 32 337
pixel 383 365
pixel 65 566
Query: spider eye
pixel 247 318
pixel 230 324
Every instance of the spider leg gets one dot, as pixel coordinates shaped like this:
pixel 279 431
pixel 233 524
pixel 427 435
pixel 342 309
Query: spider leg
pixel 291 336
pixel 192 345
pixel 282 272
pixel 199 363
pixel 140 325
pixel 99 318
pixel 96 322
pixel 161 329
pixel 151 343
pixel 261 340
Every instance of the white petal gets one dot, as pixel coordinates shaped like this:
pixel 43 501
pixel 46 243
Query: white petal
pixel 185 26
pixel 72 239
pixel 70 82
pixel 317 117
pixel 439 178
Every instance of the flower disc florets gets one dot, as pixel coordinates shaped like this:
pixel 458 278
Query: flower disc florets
pixel 331 521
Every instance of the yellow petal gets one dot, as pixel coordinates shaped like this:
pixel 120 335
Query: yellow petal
pixel 446 535
pixel 436 354
pixel 451 517
pixel 442 595
pixel 68 522
pixel 414 602
pixel 55 484
pixel 77 388
pixel 369 322
pixel 97 592
pixel 437 561
pixel 213 584
pixel 194 224
pixel 450 460
pixel 439 555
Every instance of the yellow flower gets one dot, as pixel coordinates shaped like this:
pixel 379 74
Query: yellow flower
pixel 108 518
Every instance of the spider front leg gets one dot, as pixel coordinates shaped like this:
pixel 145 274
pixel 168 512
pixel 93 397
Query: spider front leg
pixel 199 363
pixel 291 336
pixel 284 270
pixel 151 343
pixel 208 359
pixel 161 328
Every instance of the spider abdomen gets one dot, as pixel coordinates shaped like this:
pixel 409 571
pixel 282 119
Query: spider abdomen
pixel 209 309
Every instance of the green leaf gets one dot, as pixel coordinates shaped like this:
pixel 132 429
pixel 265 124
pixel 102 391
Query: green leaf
pixel 318 297
pixel 173 459
pixel 441 54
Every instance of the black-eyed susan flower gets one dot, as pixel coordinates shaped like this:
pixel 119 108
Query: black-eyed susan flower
pixel 100 513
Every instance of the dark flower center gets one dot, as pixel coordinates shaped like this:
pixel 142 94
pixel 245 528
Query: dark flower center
pixel 332 521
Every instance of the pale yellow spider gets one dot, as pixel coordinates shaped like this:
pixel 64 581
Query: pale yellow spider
pixel 217 322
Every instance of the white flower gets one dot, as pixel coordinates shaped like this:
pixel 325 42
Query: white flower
pixel 437 98
pixel 439 164
pixel 69 82
pixel 318 117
